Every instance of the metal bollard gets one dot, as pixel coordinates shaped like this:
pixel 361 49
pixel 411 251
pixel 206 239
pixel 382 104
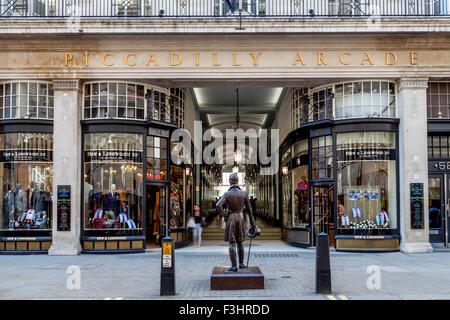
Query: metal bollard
pixel 167 267
pixel 323 270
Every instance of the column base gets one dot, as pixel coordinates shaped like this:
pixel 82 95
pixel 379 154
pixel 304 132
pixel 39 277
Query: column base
pixel 416 247
pixel 68 249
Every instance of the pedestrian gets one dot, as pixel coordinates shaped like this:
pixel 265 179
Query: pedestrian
pixel 200 222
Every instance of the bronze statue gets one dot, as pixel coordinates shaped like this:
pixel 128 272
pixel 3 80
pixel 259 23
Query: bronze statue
pixel 236 201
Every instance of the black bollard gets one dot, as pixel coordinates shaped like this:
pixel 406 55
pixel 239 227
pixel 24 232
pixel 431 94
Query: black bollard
pixel 167 267
pixel 323 270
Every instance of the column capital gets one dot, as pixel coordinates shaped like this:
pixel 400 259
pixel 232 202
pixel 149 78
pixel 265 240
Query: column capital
pixel 411 82
pixel 66 84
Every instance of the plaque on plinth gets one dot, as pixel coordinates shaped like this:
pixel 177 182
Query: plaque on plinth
pixel 243 279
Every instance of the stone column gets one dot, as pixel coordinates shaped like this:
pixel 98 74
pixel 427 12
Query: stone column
pixel 67 163
pixel 413 168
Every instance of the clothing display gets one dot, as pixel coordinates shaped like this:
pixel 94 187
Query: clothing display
pixel 20 201
pixel 345 220
pixel 382 218
pixel 356 212
pixel 112 202
pixel 131 224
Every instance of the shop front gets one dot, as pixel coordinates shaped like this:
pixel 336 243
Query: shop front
pixel 339 168
pixel 438 95
pixel 26 166
pixel 132 195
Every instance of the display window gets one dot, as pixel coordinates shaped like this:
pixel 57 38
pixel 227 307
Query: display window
pixel 26 100
pixel 322 157
pixel 156 158
pixel 26 172
pixel 286 186
pixel 366 183
pixel 177 217
pixel 300 184
pixel 113 182
pixel 438 100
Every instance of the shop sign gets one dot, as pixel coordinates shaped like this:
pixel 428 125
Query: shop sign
pixel 301 160
pixel 416 203
pixel 439 166
pixel 366 154
pixel 26 155
pixel 113 155
pixel 320 132
pixel 63 207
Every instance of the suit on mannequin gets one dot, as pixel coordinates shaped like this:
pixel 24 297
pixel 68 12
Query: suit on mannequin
pixel 20 201
pixel 8 204
pixel 40 199
pixel 112 201
pixel 30 195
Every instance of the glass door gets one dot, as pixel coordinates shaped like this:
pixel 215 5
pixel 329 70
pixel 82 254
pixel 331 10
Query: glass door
pixel 436 207
pixel 155 217
pixel 323 211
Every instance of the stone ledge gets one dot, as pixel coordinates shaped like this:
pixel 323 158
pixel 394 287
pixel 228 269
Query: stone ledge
pixel 63 249
pixel 214 25
pixel 416 247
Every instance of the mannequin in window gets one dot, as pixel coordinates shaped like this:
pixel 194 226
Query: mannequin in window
pixel 8 207
pixel 40 199
pixel 20 200
pixel 124 214
pixel 112 201
pixel 30 195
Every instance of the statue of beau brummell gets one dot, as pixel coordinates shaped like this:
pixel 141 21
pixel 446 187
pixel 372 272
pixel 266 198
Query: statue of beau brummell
pixel 236 201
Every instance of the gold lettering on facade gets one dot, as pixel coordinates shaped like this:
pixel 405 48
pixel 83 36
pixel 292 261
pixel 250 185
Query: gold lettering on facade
pixel 321 58
pixel 86 61
pixel 152 59
pixel 104 59
pixel 341 58
pixel 299 58
pixel 215 64
pixel 235 60
pixel 68 57
pixel 388 61
pixel 197 55
pixel 413 56
pixel 367 58
pixel 126 59
pixel 255 57
pixel 172 62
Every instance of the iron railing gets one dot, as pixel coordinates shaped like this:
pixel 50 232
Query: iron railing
pixel 222 8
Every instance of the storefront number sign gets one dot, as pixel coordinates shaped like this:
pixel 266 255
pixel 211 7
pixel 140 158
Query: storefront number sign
pixel 63 206
pixel 416 202
pixel 167 255
pixel 439 166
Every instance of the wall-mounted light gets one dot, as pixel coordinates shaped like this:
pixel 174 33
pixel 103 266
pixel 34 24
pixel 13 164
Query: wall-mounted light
pixel 237 156
pixel 188 171
pixel 235 169
pixel 285 170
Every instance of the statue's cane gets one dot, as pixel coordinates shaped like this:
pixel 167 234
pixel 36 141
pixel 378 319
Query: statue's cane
pixel 249 248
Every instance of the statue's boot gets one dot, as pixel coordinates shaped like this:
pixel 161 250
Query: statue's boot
pixel 232 251
pixel 241 256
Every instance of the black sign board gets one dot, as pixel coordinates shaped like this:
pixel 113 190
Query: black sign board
pixel 63 207
pixel 366 154
pixel 24 155
pixel 298 161
pixel 320 132
pixel 416 203
pixel 113 155
pixel 442 165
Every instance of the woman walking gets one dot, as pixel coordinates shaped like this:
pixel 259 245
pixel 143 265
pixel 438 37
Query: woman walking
pixel 200 222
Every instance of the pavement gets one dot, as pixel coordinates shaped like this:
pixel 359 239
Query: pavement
pixel 289 274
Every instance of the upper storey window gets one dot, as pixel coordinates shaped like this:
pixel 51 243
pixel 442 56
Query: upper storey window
pixel 438 100
pixel 358 99
pixel 133 101
pixel 26 100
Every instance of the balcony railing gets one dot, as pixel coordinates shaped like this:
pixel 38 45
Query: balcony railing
pixel 222 8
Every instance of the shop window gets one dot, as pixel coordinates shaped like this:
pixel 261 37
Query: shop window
pixel 124 100
pixel 26 100
pixel 365 99
pixel 366 180
pixel 156 158
pixel 113 182
pixel 300 184
pixel 26 172
pixel 438 146
pixel 322 157
pixel 177 217
pixel 438 100
pixel 286 187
